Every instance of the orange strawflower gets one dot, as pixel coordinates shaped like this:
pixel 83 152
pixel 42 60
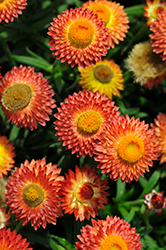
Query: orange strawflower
pixel 83 192
pixel 6 156
pixel 152 9
pixel 80 119
pixel 11 9
pixel 26 97
pixel 110 234
pixel 125 149
pixel 4 218
pixel 12 240
pixel 158 36
pixel 159 127
pixel 105 77
pixel 113 15
pixel 148 68
pixel 79 37
pixel 33 193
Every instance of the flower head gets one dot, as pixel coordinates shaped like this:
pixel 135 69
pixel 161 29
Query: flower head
pixel 125 149
pixel 113 15
pixel 26 97
pixel 158 36
pixel 152 9
pixel 155 201
pixel 159 127
pixel 83 192
pixel 148 68
pixel 105 77
pixel 79 37
pixel 110 234
pixel 4 218
pixel 33 193
pixel 11 9
pixel 2 190
pixel 12 240
pixel 80 119
pixel 6 156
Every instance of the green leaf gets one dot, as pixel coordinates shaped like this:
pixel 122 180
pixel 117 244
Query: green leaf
pixel 128 216
pixel 40 63
pixel 14 133
pixel 120 187
pixel 136 10
pixel 151 183
pixel 57 243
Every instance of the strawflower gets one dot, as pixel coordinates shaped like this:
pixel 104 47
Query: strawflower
pixel 6 156
pixel 105 77
pixel 148 68
pixel 9 9
pixel 155 201
pixel 26 97
pixel 4 217
pixel 158 36
pixel 12 240
pixel 33 193
pixel 159 127
pixel 79 37
pixel 125 149
pixel 110 234
pixel 83 192
pixel 80 119
pixel 152 9
pixel 113 15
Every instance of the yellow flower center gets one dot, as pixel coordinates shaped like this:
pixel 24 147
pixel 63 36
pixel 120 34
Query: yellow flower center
pixel 89 122
pixel 2 157
pixel 81 33
pixel 156 10
pixel 33 195
pixel 84 192
pixel 102 11
pixel 131 148
pixel 103 73
pixel 16 96
pixel 113 242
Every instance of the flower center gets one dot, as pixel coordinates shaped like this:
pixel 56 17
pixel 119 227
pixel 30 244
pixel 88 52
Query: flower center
pixel 157 201
pixel 89 122
pixel 156 10
pixel 81 33
pixel 131 148
pixel 33 195
pixel 2 157
pixel 17 97
pixel 84 192
pixel 113 242
pixel 103 73
pixel 102 11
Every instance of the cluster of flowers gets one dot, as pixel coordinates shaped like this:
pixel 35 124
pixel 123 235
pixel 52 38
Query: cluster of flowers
pixel 87 122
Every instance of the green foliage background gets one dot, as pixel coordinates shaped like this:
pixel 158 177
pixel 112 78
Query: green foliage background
pixel 25 41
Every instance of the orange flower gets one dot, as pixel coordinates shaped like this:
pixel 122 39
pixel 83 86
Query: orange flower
pixel 26 97
pixel 80 119
pixel 83 192
pixel 4 218
pixel 113 15
pixel 104 76
pixel 33 193
pixel 158 36
pixel 159 127
pixel 6 156
pixel 152 9
pixel 11 9
pixel 79 37
pixel 9 240
pixel 125 149
pixel 110 234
